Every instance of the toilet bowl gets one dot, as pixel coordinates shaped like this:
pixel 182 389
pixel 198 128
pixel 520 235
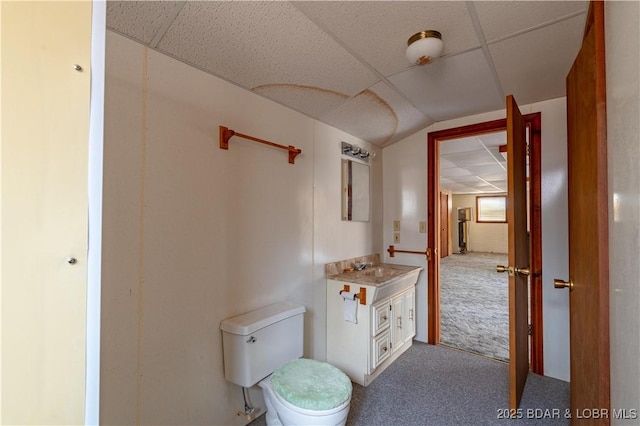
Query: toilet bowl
pixel 306 392
pixel 265 347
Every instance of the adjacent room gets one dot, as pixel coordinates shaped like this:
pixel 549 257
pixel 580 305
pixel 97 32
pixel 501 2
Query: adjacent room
pixel 473 296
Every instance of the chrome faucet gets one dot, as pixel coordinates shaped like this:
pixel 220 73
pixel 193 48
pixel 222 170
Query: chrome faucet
pixel 360 266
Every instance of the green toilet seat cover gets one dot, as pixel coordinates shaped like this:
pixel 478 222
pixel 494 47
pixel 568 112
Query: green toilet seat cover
pixel 311 384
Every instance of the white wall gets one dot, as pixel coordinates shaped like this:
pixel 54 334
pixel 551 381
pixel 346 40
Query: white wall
pixel 483 237
pixel 194 234
pixel 622 29
pixel 405 198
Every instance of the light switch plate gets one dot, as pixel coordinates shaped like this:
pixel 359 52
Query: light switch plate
pixel 396 226
pixel 423 227
pixel 396 237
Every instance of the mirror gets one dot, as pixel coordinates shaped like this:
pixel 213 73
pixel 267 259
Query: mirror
pixel 355 191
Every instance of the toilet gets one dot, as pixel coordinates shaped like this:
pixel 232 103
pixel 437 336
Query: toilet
pixel 265 347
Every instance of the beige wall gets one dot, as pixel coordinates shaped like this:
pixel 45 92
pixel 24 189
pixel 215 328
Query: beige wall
pixel 194 234
pixel 622 29
pixel 45 119
pixel 483 237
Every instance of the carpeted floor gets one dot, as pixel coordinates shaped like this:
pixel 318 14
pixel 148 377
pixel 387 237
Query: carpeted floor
pixel 440 386
pixel 474 304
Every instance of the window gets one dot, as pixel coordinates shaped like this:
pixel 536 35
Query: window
pixel 491 209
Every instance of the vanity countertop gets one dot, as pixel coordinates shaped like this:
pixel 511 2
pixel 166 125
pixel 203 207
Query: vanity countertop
pixel 376 275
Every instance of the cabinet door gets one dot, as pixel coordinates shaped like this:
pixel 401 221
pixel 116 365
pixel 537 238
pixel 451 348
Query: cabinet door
pixel 397 321
pixel 409 309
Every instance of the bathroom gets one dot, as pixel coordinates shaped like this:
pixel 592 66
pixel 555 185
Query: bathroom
pixel 199 234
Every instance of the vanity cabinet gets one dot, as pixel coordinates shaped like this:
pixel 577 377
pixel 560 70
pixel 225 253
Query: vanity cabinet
pixel 384 330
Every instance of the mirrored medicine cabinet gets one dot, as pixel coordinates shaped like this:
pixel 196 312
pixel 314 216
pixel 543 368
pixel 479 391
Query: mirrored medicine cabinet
pixel 355 191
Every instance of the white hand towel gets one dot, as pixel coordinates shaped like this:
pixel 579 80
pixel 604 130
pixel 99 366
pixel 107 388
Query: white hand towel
pixel 350 307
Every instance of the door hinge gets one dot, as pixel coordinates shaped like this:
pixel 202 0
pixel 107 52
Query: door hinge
pixel 530 330
pixel 391 307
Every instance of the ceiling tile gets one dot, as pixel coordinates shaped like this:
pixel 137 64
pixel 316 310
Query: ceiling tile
pixel 471 158
pixel 468 180
pixel 533 66
pixel 410 119
pixel 457 188
pixel 493 139
pixel 312 101
pixel 446 164
pixel 503 18
pixel 357 25
pixel 502 184
pixel 486 188
pixel 263 43
pixel 366 115
pixel 454 172
pixel 459 145
pixel 451 87
pixel 445 181
pixel 501 157
pixel 488 172
pixel 139 20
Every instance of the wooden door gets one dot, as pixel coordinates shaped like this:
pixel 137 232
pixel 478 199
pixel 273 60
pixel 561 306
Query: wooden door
pixel 45 131
pixel 588 222
pixel 444 224
pixel 518 253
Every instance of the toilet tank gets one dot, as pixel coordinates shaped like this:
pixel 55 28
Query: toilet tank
pixel 257 343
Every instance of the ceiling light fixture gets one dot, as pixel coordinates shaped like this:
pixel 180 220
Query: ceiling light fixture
pixel 424 47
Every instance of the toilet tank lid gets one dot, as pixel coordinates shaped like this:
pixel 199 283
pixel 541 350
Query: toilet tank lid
pixel 248 323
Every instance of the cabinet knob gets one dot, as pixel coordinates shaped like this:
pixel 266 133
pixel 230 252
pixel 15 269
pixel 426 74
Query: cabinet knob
pixel 384 349
pixel 384 318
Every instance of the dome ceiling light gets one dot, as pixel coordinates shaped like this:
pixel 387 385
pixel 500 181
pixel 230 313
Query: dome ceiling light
pixel 424 47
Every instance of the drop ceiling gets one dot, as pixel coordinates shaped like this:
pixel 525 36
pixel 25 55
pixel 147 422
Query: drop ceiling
pixel 474 165
pixel 343 62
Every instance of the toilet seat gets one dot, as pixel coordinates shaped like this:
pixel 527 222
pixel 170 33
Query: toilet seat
pixel 311 386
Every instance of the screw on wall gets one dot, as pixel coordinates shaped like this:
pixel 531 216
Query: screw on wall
pixel 77 67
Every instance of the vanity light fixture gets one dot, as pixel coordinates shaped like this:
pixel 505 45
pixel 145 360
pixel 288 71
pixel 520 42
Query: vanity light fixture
pixel 424 47
pixel 355 151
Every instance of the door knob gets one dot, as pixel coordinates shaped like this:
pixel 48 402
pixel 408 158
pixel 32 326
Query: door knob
pixel 558 283
pixel 512 271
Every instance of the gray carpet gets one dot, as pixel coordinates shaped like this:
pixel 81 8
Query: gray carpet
pixel 474 304
pixel 440 386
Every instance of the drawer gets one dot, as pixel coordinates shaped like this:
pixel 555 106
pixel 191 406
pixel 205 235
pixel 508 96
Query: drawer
pixel 381 349
pixel 381 317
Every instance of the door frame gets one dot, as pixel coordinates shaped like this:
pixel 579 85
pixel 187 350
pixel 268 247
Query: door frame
pixel 534 124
